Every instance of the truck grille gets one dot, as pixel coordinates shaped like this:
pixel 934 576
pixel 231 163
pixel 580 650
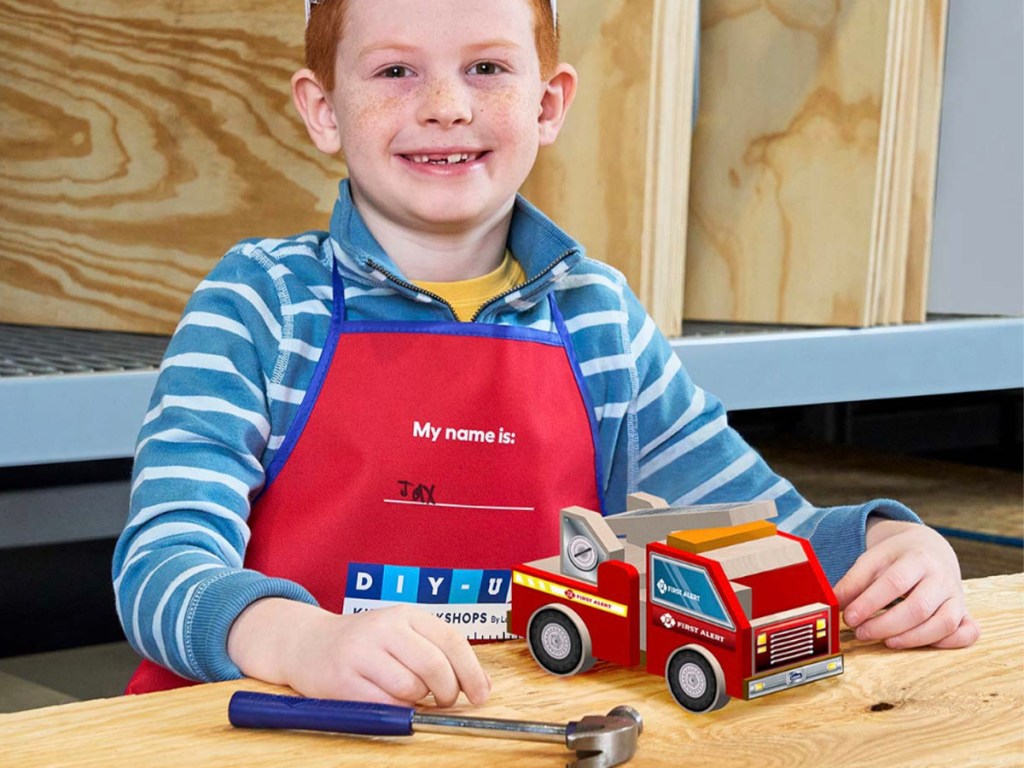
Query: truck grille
pixel 790 644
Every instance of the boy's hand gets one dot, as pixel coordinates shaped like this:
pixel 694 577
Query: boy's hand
pixel 394 655
pixel 913 562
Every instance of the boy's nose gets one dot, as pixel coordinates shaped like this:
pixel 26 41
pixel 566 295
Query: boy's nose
pixel 446 103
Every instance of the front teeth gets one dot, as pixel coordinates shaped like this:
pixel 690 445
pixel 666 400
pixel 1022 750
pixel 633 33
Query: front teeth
pixel 450 160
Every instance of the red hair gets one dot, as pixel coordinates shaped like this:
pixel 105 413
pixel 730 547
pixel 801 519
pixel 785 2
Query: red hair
pixel 327 25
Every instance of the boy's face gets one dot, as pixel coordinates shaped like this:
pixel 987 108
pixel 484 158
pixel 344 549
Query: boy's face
pixel 440 108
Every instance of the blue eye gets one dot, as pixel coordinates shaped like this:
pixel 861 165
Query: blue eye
pixel 486 68
pixel 395 70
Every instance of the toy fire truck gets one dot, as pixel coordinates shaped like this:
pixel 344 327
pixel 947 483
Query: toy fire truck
pixel 721 602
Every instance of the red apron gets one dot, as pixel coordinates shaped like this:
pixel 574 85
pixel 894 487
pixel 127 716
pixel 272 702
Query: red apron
pixel 425 461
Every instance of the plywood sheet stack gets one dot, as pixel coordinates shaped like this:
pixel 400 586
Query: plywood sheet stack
pixel 813 168
pixel 138 141
pixel 618 177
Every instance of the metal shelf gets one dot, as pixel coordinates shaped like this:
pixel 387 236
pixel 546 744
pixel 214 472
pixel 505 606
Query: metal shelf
pixel 767 367
pixel 79 395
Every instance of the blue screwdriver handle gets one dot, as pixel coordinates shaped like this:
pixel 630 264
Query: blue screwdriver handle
pixel 248 709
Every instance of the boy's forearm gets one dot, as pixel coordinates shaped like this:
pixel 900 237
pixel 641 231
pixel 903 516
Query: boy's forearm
pixel 262 638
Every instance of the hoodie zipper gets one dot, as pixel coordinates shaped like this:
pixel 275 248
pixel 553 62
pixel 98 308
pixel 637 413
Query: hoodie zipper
pixel 416 289
pixel 532 280
pixel 405 284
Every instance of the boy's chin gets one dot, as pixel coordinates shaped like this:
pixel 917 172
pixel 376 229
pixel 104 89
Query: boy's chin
pixel 451 218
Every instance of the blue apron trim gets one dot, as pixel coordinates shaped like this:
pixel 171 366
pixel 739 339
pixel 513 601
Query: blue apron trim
pixel 581 385
pixel 323 365
pixel 339 326
pixel 448 328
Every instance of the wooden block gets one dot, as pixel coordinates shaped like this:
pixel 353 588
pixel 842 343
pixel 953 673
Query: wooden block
pixel 757 556
pixel 746 597
pixel 703 539
pixel 644 501
pixel 644 525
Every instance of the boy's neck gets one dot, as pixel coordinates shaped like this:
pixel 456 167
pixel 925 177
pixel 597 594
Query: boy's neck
pixel 442 256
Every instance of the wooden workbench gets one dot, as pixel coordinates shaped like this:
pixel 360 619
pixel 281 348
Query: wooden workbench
pixel 909 708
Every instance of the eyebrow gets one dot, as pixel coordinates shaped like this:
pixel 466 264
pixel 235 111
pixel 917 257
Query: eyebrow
pixel 499 42
pixel 401 47
pixel 388 46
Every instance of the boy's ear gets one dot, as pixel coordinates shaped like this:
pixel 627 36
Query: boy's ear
pixel 554 104
pixel 317 111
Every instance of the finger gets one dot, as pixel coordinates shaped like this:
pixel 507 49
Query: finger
pixel 363 689
pixel 966 634
pixel 464 663
pixel 863 573
pixel 351 685
pixel 394 678
pixel 919 607
pixel 914 633
pixel 428 663
pixel 895 581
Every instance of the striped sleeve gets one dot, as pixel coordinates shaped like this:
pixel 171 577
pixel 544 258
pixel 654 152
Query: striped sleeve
pixel 178 576
pixel 688 453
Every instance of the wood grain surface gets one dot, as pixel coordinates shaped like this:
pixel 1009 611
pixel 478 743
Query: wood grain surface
pixel 591 181
pixel 139 141
pixel 617 177
pixel 909 708
pixel 784 160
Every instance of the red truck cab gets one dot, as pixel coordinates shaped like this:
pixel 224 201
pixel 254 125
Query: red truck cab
pixel 735 610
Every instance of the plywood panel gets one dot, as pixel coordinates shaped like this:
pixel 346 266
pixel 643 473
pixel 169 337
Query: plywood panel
pixel 880 258
pixel 784 160
pixel 617 179
pixel 667 192
pixel 592 180
pixel 922 208
pixel 895 205
pixel 138 141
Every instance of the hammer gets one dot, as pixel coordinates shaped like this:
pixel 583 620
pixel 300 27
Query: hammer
pixel 598 741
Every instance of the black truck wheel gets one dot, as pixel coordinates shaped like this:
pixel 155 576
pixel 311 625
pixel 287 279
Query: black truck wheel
pixel 559 641
pixel 695 682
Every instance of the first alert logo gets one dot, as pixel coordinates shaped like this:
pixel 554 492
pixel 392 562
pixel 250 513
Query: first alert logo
pixel 686 594
pixel 668 621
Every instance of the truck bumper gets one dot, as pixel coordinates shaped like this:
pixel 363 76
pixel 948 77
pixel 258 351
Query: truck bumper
pixel 790 677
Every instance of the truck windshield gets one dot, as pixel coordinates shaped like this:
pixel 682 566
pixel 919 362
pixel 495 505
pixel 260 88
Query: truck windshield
pixel 687 589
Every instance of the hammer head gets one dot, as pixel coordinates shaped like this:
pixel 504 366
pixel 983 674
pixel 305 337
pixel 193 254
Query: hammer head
pixel 604 741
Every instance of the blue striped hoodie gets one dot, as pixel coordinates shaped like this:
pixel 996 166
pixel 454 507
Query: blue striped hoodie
pixel 244 353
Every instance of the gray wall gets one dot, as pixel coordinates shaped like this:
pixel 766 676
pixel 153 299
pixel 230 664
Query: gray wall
pixel 978 250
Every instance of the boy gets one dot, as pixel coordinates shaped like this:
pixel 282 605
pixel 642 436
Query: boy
pixel 320 404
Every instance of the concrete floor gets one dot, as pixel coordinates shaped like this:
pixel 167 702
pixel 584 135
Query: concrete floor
pixel 58 677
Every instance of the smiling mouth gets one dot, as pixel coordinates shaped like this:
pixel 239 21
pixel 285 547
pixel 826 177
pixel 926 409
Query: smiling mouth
pixel 454 159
